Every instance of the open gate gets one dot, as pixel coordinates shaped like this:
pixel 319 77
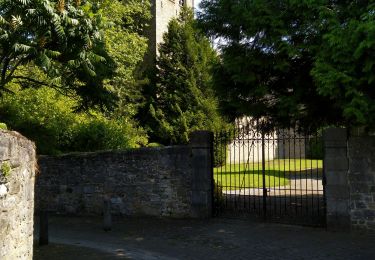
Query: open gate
pixel 277 176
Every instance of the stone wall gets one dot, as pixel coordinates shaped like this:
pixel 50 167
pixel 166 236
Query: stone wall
pixel 350 180
pixel 17 175
pixel 138 182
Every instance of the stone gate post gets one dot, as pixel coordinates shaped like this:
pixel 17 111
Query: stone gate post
pixel 201 143
pixel 336 179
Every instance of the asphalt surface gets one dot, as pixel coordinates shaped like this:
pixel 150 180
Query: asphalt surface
pixel 151 238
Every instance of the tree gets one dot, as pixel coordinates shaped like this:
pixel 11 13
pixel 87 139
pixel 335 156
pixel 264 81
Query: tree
pixel 126 44
pixel 63 39
pixel 268 50
pixel 344 70
pixel 180 98
pixel 49 116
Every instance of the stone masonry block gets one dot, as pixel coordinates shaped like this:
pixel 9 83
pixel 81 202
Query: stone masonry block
pixel 337 206
pixel 336 178
pixel 337 192
pixel 336 164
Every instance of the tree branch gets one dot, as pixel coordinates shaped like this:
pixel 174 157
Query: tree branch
pixel 45 84
pixel 9 77
pixel 4 71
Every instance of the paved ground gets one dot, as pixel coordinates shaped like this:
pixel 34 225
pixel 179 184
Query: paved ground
pixel 77 238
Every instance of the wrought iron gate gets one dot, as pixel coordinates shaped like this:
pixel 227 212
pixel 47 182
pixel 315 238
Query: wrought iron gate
pixel 276 176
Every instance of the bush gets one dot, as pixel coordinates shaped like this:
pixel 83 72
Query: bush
pixel 154 145
pixel 3 126
pixel 103 134
pixel 221 141
pixel 47 118
pixel 315 149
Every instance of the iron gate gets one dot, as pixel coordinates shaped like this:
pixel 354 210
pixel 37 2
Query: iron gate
pixel 276 176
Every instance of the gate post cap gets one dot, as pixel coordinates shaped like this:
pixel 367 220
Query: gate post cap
pixel 335 134
pixel 201 138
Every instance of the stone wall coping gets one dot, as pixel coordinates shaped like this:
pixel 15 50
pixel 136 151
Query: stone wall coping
pixel 143 151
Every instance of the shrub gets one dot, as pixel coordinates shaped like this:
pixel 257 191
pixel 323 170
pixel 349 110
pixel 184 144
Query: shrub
pixel 47 117
pixel 103 134
pixel 154 145
pixel 222 139
pixel 314 149
pixel 3 126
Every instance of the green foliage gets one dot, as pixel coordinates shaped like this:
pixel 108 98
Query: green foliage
pixel 64 40
pixel 154 145
pixel 46 117
pixel 96 67
pixel 305 63
pixel 5 169
pixel 345 65
pixel 315 146
pixel 180 98
pixel 221 143
pixel 3 126
pixel 103 134
pixel 315 149
pixel 126 45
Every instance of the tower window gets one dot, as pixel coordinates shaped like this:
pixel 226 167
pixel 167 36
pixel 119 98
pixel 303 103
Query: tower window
pixel 182 2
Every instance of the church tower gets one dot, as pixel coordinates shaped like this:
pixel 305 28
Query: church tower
pixel 162 12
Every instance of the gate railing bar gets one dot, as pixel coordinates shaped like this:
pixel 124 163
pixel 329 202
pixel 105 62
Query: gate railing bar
pixel 264 177
pixel 307 186
pixel 284 170
pixel 300 173
pixel 296 175
pixel 313 186
pixel 317 176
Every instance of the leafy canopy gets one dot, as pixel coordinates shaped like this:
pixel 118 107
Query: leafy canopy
pixel 308 63
pixel 50 117
pixel 126 44
pixel 344 69
pixel 63 39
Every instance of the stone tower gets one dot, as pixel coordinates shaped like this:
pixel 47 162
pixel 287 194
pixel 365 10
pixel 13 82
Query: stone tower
pixel 162 12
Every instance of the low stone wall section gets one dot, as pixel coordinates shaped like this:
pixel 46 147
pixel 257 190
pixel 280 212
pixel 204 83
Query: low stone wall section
pixel 165 182
pixel 17 176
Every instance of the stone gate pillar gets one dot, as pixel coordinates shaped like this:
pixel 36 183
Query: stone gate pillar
pixel 336 179
pixel 201 143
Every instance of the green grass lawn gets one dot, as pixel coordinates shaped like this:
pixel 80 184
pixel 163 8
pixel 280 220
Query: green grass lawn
pixel 238 176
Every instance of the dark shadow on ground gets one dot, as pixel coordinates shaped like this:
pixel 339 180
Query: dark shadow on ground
pixel 70 252
pixel 306 210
